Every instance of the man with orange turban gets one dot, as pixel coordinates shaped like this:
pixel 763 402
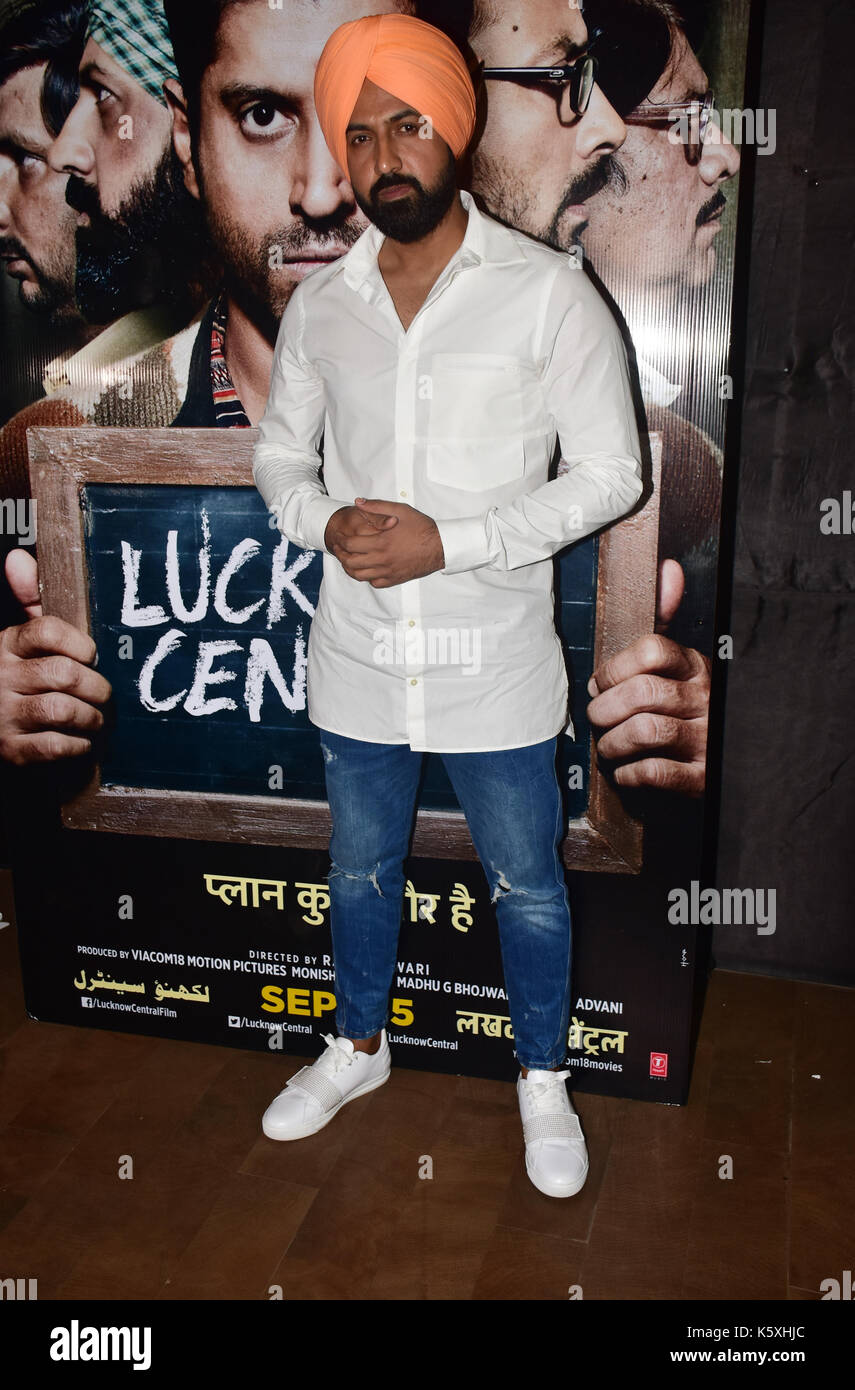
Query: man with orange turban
pixel 409 59
pixel 443 359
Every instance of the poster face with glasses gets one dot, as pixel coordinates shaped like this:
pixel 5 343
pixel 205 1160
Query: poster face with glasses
pixel 164 186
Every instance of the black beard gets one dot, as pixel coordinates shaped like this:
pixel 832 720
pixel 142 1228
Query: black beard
pixel 140 255
pixel 411 218
pixel 261 290
pixel 52 297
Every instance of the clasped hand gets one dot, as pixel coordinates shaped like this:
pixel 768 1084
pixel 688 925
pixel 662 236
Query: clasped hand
pixel 384 543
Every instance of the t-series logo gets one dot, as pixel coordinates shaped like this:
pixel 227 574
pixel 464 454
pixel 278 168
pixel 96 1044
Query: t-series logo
pixel 76 1343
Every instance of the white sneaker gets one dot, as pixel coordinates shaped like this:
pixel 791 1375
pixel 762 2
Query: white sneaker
pixel 556 1156
pixel 316 1093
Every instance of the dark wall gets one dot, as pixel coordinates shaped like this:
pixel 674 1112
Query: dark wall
pixel 788 782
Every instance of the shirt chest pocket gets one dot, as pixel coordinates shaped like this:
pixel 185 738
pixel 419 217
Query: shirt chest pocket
pixel 476 420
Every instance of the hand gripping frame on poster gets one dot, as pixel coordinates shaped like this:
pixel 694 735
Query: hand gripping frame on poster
pixel 65 461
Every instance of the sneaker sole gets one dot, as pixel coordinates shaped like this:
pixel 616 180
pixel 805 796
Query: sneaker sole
pixel 556 1189
pixel 324 1119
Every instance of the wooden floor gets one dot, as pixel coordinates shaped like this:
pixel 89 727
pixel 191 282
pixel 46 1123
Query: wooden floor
pixel 217 1211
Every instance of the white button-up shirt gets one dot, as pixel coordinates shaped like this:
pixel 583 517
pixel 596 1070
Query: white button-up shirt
pixel 512 351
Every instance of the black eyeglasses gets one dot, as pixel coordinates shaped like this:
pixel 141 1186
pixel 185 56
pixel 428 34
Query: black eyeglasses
pixel 700 114
pixel 575 81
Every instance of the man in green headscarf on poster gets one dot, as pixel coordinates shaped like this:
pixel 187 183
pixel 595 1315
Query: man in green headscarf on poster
pixel 138 257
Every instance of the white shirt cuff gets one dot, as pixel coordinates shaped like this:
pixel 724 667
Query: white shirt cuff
pixel 315 518
pixel 464 543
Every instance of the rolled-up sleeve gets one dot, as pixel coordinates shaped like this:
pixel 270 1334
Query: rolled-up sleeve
pixel 286 460
pixel 587 389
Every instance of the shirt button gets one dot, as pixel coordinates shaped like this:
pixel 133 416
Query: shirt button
pixel 411 623
pixel 414 681
pixel 402 494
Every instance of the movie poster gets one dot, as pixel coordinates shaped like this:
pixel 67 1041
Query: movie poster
pixel 165 186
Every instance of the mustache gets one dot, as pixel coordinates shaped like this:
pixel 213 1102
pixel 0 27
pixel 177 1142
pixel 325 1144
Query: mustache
pixel 11 246
pixel 391 181
pixel 317 238
pixel 82 196
pixel 607 172
pixel 711 209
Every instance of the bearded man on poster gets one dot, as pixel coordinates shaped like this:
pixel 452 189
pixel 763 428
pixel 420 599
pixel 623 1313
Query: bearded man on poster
pixel 441 359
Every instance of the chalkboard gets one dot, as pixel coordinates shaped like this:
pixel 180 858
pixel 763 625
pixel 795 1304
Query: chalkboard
pixel 201 616
pixel 158 543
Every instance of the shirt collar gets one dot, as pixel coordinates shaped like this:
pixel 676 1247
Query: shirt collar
pixel 99 361
pixel 485 240
pixel 656 389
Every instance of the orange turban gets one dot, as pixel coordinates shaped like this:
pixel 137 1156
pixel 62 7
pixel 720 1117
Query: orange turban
pixel 405 56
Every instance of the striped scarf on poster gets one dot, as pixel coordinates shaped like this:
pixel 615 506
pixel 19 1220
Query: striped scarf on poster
pixel 228 409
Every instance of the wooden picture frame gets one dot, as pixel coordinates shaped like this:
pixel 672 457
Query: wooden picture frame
pixel 63 461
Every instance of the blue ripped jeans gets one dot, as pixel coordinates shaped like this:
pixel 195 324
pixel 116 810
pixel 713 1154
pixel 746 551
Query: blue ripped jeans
pixel 512 805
